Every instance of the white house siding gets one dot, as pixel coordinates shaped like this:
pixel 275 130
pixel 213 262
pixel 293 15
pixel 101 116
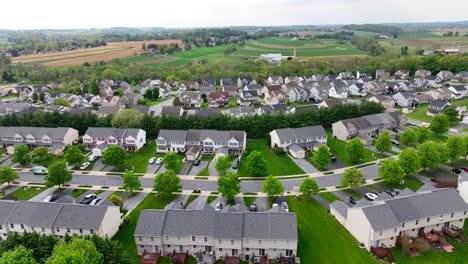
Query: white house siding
pixel 358 226
pixel 340 131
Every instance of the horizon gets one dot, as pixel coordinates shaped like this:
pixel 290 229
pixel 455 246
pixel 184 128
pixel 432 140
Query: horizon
pixel 53 15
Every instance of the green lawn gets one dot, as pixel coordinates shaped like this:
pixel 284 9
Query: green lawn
pixel 353 193
pixel 411 182
pixel 205 171
pixel 212 197
pixel 78 192
pixel 419 113
pixel 125 235
pixel 322 239
pixel 329 197
pixel 139 160
pixel 277 164
pixel 199 53
pixel 26 193
pixel 337 147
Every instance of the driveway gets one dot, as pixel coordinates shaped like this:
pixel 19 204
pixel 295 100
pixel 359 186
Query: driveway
pixel 152 168
pixel 177 203
pixel 11 189
pixel 211 169
pixel 343 196
pixel 40 197
pixel 98 166
pixel 198 203
pixel 321 201
pixel 5 158
pixel 197 169
pixel 185 169
pixel 103 196
pixel 133 202
pixel 262 204
pixel 305 165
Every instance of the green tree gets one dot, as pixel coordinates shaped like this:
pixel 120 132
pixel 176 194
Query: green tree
pixel 128 118
pixel 35 97
pixel 166 183
pixel 131 182
pixel 309 187
pixel 229 186
pixel 21 155
pixel 423 134
pixel 428 155
pixel 20 255
pixel 442 153
pixel 272 186
pixel 322 156
pixel 456 147
pixel 384 142
pixel 440 124
pixel 451 113
pixel 74 156
pixel 7 174
pixel 62 102
pixel 78 250
pixel 41 156
pixel 40 245
pixel 94 87
pixel 111 74
pixel 171 161
pixel 409 160
pixel 256 164
pixel 465 144
pixel 58 174
pixel 391 171
pixel 355 150
pixel 223 164
pixel 353 178
pixel 42 96
pixel 115 156
pixel 409 138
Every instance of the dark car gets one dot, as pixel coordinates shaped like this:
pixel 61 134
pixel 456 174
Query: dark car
pixel 465 169
pixel 456 170
pixel 392 192
pixel 253 208
pixel 352 200
pixel 196 162
pixel 235 164
pixel 333 157
pixel 197 190
pixel 435 180
pixel 88 198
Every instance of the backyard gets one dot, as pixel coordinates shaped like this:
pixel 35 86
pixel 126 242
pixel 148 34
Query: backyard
pixel 277 164
pixel 337 147
pixel 26 193
pixel 139 159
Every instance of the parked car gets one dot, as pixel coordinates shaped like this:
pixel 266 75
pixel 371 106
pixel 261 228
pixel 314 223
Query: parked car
pixel 285 206
pixel 456 170
pixel 235 164
pixel 465 169
pixel 92 158
pixel 88 198
pixel 435 180
pixel 50 198
pixel 253 208
pixel 84 166
pixel 396 142
pixel 159 161
pixel 392 192
pixel 196 162
pixel 218 206
pixel 39 170
pixel 371 196
pixel 197 190
pixel 95 201
pixel 352 200
pixel 333 157
pixel 152 160
pixel 274 205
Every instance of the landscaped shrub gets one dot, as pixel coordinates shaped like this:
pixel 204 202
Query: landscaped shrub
pixel 115 199
pixel 278 150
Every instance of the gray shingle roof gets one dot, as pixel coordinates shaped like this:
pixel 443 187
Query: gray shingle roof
pixel 150 223
pixel 300 133
pixel 80 216
pixel 37 132
pixel 380 217
pixel 118 133
pixel 6 208
pixel 200 135
pixel 34 214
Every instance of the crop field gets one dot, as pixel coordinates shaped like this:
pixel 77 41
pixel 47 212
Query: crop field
pixel 77 57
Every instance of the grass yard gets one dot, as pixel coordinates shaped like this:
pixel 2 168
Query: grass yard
pixel 212 197
pixel 353 193
pixel 420 113
pixel 321 236
pixel 411 183
pixel 26 193
pixel 337 147
pixel 139 160
pixel 125 235
pixel 277 164
pixel 205 171
pixel 78 192
pixel 329 197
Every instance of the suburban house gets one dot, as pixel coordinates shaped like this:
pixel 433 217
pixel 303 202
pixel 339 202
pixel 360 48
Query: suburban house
pixel 461 76
pixel 444 94
pixel 338 90
pixel 241 111
pixel 345 76
pixel 401 74
pixel 320 91
pixel 207 90
pixel 189 85
pixel 436 107
pixel 386 101
pixel 195 142
pixel 330 103
pixel 218 99
pixel 232 90
pixel 248 98
pixel 58 219
pixel 98 139
pixel 172 110
pixel 300 94
pixel 420 73
pixel 357 89
pixel 190 99
pixel 53 138
pixel 444 76
pixel 459 91
pixel 382 75
pixel 369 126
pixel 297 140
pixel 106 110
pixel 243 81
pixel 273 109
pixel 226 81
pixel 405 99
pixel 109 100
pixel 362 75
pixel 275 80
pixel 382 222
pixel 292 79
pixel 233 234
pixel 375 87
pixel 208 82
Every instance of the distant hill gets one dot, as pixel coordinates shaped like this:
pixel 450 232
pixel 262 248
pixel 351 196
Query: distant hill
pixel 457 24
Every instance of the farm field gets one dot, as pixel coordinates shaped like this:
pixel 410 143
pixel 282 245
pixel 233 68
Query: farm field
pixel 77 57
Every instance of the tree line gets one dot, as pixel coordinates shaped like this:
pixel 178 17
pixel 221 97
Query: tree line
pixel 256 126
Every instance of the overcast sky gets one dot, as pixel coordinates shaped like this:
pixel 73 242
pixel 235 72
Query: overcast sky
pixel 64 14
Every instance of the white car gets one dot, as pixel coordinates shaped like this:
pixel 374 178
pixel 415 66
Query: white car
pixel 92 158
pixel 218 206
pixel 285 206
pixel 274 205
pixel 152 160
pixel 159 161
pixel 95 201
pixel 371 196
pixel 50 198
pixel 84 166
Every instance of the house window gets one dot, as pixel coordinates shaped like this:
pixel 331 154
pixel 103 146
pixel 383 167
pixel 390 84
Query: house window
pixel 403 225
pixel 464 213
pixel 12 225
pixel 380 233
pixel 152 239
pixel 232 242
pixel 22 226
pixel 193 238
pixel 247 249
pixel 68 230
pixel 220 249
pixel 81 230
pixel 167 237
pixel 219 241
pixel 43 230
pixel 140 238
pixel 168 246
pixel 205 239
pixel 452 215
pixel 194 246
pixel 260 242
pixel 91 231
pixel 58 229
pixel 1 227
pixel 428 219
pixel 417 222
pixel 394 230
